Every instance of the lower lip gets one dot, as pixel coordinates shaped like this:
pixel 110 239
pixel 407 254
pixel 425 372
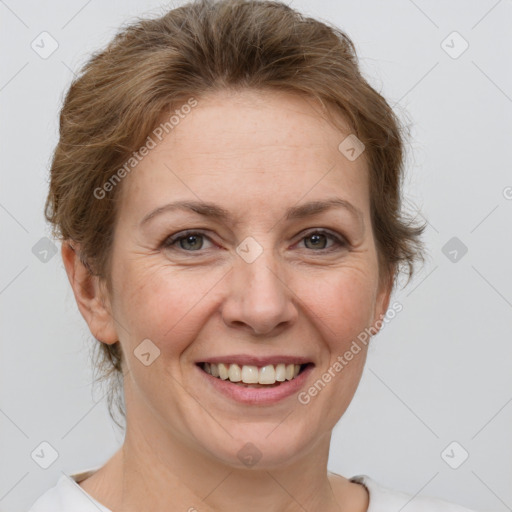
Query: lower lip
pixel 258 396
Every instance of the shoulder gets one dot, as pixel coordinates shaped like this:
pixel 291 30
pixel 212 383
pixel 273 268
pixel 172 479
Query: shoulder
pixel 388 500
pixel 66 495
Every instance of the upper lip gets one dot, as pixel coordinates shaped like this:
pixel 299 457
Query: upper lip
pixel 248 360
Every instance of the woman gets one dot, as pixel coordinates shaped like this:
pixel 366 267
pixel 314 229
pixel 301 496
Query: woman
pixel 227 190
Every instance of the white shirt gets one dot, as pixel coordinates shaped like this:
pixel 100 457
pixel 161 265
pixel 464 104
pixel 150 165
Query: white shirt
pixel 68 496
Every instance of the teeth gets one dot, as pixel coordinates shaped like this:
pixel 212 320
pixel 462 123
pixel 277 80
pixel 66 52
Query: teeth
pixel 281 372
pixel 249 374
pixel 267 375
pixel 234 373
pixel 223 371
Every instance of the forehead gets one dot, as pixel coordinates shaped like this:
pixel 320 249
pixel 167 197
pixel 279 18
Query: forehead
pixel 246 146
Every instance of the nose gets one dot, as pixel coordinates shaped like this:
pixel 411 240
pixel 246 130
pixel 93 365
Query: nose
pixel 259 299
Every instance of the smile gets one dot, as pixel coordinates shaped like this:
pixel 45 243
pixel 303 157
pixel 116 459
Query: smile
pixel 254 376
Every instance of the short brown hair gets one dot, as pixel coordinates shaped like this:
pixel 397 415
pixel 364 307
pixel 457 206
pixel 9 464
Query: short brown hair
pixel 154 65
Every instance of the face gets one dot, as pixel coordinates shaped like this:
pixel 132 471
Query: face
pixel 270 259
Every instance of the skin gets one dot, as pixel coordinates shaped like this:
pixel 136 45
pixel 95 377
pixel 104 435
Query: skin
pixel 256 154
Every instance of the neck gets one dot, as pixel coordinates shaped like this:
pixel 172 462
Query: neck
pixel 161 469
pixel 175 478
pixel 178 475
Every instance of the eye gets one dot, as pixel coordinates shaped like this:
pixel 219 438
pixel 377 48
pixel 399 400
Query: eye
pixel 318 240
pixel 194 241
pixel 190 241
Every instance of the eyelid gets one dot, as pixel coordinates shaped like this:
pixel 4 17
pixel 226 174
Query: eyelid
pixel 339 240
pixel 169 241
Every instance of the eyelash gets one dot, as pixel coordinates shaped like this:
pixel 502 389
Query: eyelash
pixel 170 241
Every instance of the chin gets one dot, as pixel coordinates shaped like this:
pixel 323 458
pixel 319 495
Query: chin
pixel 258 445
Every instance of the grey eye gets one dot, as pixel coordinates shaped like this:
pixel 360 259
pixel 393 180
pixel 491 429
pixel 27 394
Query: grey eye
pixel 191 242
pixel 318 241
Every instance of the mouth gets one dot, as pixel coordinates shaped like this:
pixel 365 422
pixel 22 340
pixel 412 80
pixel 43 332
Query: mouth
pixel 252 376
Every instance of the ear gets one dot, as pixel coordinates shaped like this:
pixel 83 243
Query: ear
pixel 90 294
pixel 382 299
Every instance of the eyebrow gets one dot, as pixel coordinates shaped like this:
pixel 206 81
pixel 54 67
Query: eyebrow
pixel 295 212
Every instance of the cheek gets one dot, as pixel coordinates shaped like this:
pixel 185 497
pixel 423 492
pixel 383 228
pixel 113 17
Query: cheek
pixel 342 306
pixel 163 305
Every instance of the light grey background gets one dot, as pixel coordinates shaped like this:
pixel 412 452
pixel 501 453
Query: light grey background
pixel 439 372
